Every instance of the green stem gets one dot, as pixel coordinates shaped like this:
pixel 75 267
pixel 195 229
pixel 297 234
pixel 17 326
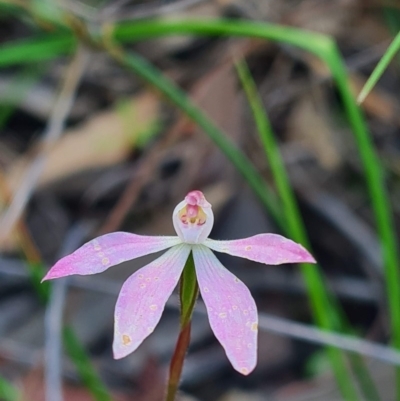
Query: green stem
pixel 189 290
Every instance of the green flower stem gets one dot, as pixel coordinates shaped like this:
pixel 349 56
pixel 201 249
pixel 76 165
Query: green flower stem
pixel 189 291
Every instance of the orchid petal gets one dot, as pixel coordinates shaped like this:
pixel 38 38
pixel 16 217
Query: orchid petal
pixel 271 249
pixel 108 250
pixel 231 309
pixel 142 299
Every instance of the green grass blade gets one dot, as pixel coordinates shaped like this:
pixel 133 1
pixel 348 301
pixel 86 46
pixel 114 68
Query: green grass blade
pixel 40 48
pixel 7 391
pixel 293 220
pixel 84 366
pixel 139 30
pixel 380 68
pixel 374 175
pixel 316 286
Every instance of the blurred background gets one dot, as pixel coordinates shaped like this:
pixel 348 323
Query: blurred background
pixel 92 142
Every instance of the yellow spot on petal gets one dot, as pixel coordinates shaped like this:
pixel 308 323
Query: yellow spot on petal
pixel 97 247
pixel 247 248
pixel 205 289
pixel 126 340
pixel 236 280
pixel 101 254
pixel 140 276
pixel 153 307
pixel 222 315
pixel 148 279
pixel 234 307
pixel 156 278
pixel 254 326
pixel 142 286
pixel 244 371
pixel 105 261
pixel 245 312
pixel 150 329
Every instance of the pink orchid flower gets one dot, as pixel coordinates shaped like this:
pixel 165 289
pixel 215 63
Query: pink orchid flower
pixel 232 311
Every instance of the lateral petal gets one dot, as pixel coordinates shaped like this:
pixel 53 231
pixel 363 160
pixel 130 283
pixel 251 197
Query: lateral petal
pixel 271 249
pixel 231 309
pixel 108 250
pixel 142 299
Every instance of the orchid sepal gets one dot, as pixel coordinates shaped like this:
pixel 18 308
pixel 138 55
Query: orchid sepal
pixel 231 309
pixel 270 249
pixel 142 299
pixel 109 250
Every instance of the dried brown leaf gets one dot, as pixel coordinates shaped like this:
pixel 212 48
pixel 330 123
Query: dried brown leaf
pixel 105 139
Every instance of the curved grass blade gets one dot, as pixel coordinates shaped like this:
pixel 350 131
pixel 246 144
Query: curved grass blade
pixel 325 307
pixel 40 48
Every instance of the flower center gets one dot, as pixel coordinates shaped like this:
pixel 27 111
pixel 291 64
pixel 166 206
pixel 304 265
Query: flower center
pixel 193 218
pixel 192 215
